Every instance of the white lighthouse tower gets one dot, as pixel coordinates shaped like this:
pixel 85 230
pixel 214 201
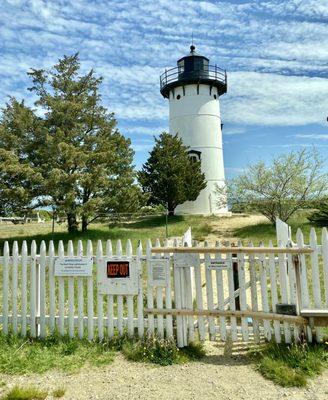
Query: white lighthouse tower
pixel 193 89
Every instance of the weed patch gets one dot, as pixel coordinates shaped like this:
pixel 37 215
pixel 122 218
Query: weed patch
pixel 25 393
pixel 291 365
pixel 161 351
pixel 58 393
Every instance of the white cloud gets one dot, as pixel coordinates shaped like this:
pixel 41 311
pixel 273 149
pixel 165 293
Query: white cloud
pixel 313 137
pixel 272 99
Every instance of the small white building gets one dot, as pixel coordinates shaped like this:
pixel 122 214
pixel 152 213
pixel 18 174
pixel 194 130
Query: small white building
pixel 193 89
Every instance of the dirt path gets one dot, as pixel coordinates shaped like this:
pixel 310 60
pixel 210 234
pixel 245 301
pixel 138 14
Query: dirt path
pixel 224 228
pixel 215 377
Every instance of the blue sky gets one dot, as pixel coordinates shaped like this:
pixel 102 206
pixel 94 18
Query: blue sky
pixel 275 53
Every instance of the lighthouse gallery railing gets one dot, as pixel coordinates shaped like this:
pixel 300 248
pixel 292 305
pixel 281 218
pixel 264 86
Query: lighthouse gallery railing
pixel 211 72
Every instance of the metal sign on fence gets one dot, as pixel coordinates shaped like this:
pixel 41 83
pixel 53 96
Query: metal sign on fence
pixel 219 264
pixel 159 269
pixel 185 260
pixel 73 266
pixel 119 276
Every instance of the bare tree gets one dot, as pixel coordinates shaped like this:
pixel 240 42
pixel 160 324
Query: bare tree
pixel 280 189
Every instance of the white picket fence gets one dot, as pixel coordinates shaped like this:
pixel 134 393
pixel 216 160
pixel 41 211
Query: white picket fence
pixel 198 299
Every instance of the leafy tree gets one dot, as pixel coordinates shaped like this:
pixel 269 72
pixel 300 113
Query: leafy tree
pixel 170 176
pixel 279 190
pixel 320 216
pixel 20 180
pixel 85 163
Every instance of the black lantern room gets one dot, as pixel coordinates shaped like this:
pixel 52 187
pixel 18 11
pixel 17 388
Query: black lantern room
pixel 193 69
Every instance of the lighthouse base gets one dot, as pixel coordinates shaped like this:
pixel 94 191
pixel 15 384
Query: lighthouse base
pixel 207 203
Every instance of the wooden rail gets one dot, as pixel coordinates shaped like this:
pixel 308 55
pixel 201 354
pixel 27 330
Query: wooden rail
pixel 317 317
pixel 230 250
pixel 294 319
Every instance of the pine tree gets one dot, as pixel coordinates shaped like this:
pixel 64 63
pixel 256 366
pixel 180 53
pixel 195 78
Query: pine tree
pixel 75 146
pixel 20 181
pixel 170 177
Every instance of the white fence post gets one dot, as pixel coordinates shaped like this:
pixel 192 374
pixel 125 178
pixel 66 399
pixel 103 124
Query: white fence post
pixel 283 232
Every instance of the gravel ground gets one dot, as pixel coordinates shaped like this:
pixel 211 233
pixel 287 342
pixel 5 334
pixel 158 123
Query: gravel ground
pixel 216 376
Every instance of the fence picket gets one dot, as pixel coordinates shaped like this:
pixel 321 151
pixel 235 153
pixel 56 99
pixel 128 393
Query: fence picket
pixel 80 298
pixel 168 297
pixel 324 242
pixel 159 300
pixel 150 294
pixel 70 253
pixel 305 298
pixel 42 289
pixel 254 300
pixel 33 290
pixel 24 288
pixel 292 289
pixel 232 304
pixel 242 293
pixel 129 298
pixel 52 297
pixel 177 300
pixel 264 266
pixel 284 288
pixel 315 277
pixel 14 286
pixel 209 291
pixel 188 293
pixel 199 299
pixel 61 294
pixel 90 295
pixel 220 297
pixel 110 297
pixel 100 304
pixel 274 294
pixel 119 253
pixel 140 305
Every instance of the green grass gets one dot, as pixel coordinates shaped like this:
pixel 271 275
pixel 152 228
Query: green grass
pixel 25 393
pixel 152 227
pixel 266 231
pixel 291 365
pixel 24 355
pixel 162 351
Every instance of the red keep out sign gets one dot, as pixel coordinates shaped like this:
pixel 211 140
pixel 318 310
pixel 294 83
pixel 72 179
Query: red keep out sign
pixel 118 269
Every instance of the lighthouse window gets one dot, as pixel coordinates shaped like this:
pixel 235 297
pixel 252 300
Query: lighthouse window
pixel 178 97
pixel 194 155
pixel 181 66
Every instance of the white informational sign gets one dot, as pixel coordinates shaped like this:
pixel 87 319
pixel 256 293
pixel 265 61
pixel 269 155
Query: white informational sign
pixel 73 266
pixel 119 276
pixel 219 264
pixel 184 260
pixel 159 268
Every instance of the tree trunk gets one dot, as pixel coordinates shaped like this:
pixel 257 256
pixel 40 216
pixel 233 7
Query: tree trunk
pixel 72 222
pixel 84 223
pixel 170 209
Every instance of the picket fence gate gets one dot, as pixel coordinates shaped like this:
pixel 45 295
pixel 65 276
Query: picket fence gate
pixel 200 292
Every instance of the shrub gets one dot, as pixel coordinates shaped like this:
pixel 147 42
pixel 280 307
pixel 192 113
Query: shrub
pixel 320 217
pixel 161 351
